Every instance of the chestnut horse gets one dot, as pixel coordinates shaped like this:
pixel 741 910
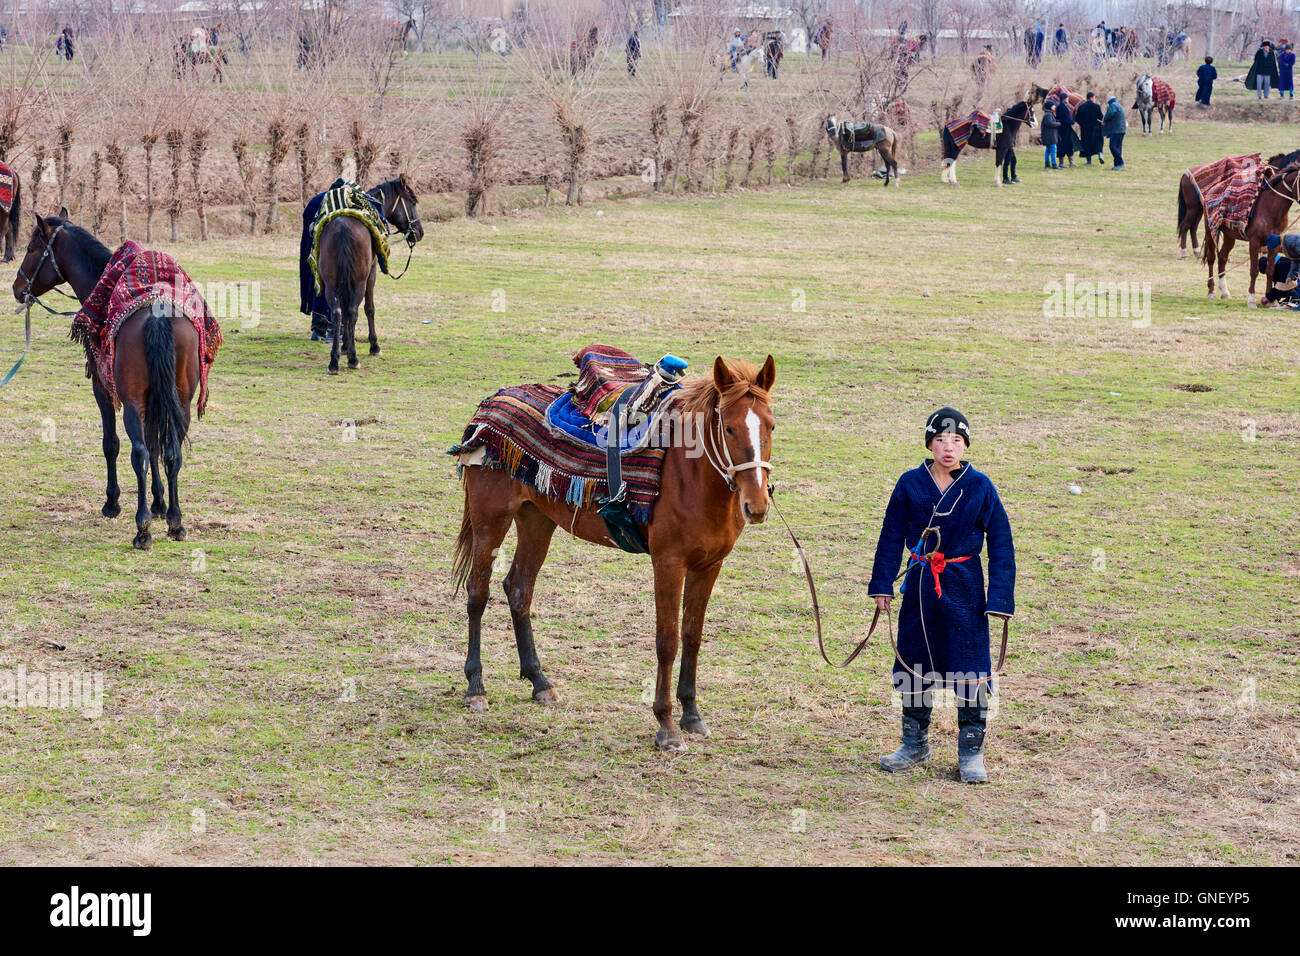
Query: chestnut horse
pixel 155 368
pixel 349 262
pixel 703 504
pixel 1190 208
pixel 1279 190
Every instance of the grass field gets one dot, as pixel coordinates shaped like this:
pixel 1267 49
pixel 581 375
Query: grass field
pixel 285 686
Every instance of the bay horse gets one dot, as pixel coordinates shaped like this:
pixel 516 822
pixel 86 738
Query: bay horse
pixel 349 262
pixel 1003 144
pixel 1269 215
pixel 884 142
pixel 1190 207
pixel 9 218
pixel 156 367
pixel 703 505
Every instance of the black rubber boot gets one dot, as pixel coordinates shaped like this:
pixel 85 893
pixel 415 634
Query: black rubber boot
pixel 915 750
pixel 971 723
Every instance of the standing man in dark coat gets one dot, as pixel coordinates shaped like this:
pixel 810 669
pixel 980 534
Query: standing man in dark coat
pixel 633 52
pixel 1263 71
pixel 1206 74
pixel 1090 121
pixel 939 517
pixel 1062 44
pixel 1066 140
pixel 1114 126
pixel 1286 71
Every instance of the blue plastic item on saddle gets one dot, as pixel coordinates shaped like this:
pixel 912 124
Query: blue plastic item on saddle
pixel 562 416
pixel 673 365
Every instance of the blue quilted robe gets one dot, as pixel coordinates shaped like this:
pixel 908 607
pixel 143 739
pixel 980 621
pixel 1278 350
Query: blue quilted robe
pixel 955 623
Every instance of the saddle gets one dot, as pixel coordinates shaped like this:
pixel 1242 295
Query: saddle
pixel 348 199
pixel 859 137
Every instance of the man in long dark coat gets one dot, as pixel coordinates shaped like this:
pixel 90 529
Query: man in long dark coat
pixel 1263 71
pixel 939 516
pixel 1066 141
pixel 1089 118
pixel 1206 74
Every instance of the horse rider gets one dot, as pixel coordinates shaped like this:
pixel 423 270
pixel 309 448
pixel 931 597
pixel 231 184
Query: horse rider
pixel 940 515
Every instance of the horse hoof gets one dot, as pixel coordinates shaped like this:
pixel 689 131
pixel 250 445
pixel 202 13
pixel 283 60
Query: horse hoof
pixel 111 510
pixel 374 350
pixel 354 364
pixel 143 541
pixel 333 369
pixel 695 726
pixel 177 533
pixel 158 510
pixel 670 742
pixel 547 697
pixel 476 702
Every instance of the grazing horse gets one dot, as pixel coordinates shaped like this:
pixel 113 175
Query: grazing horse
pixel 1269 215
pixel 880 138
pixel 1153 94
pixel 156 371
pixel 9 217
pixel 349 262
pixel 703 504
pixel 1002 143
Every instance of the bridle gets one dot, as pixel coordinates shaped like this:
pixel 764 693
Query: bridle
pixel 1295 186
pixel 409 236
pixel 29 298
pixel 720 456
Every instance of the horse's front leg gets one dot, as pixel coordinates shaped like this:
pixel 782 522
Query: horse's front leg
pixel 669 573
pixel 1251 302
pixel 844 166
pixel 370 310
pixel 699 586
pixel 108 416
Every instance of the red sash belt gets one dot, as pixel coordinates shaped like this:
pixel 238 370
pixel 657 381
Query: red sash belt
pixel 937 562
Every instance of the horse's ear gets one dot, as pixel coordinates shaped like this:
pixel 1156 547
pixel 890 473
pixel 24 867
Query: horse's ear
pixel 722 377
pixel 63 213
pixel 767 374
pixel 40 223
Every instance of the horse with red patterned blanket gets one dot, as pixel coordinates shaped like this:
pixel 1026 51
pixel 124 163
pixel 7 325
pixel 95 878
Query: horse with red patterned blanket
pixel 1225 189
pixel 979 131
pixel 150 340
pixel 1154 93
pixel 10 209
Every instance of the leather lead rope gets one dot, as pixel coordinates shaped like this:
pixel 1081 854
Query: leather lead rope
pixel 26 348
pixel 817 617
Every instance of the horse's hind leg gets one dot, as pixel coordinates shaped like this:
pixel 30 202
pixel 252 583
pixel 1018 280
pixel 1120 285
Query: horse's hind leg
pixel 112 491
pixel 175 530
pixel 370 311
pixel 699 585
pixel 159 506
pixel 534 530
pixel 133 421
pixel 489 523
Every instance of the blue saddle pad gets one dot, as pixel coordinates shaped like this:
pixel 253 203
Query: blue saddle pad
pixel 563 418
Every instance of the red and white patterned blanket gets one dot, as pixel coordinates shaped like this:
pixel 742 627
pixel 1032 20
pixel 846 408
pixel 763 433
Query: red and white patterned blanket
pixel 136 277
pixel 1162 92
pixel 6 188
pixel 1228 191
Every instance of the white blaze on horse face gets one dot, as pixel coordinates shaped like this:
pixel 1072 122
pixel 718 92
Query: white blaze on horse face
pixel 752 423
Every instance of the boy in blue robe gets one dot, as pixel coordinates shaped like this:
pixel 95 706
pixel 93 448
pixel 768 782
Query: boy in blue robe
pixel 938 518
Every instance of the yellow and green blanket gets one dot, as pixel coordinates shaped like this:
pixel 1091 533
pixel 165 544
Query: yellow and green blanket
pixel 348 199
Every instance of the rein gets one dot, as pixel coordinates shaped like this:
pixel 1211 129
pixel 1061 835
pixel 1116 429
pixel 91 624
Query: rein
pixel 28 299
pixel 817 617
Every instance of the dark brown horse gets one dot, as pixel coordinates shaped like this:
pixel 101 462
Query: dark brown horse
pixel 9 219
pixel 704 503
pixel 1279 190
pixel 1190 208
pixel 349 263
pixel 155 368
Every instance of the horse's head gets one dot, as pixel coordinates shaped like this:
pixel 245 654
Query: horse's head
pixel 742 431
pixel 401 208
pixel 831 125
pixel 1144 84
pixel 40 270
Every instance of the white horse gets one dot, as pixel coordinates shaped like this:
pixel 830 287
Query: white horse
pixel 744 65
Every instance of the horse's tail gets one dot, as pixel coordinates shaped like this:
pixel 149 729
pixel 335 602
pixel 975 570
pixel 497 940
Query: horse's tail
pixel 350 282
pixel 464 548
pixel 16 210
pixel 1182 210
pixel 164 418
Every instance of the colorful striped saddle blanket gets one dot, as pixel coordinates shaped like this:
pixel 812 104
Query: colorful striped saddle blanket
pixel 348 199
pixel 509 432
pixel 6 188
pixel 136 277
pixel 960 130
pixel 1228 191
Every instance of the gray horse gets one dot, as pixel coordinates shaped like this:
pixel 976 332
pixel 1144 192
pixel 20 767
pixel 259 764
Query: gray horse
pixel 861 138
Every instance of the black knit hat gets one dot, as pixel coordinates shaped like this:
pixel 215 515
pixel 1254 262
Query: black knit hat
pixel 947 420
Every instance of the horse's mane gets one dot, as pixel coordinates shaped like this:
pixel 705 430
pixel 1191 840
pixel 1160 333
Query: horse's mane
pixel 701 395
pixel 1284 172
pixel 1283 160
pixel 90 247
